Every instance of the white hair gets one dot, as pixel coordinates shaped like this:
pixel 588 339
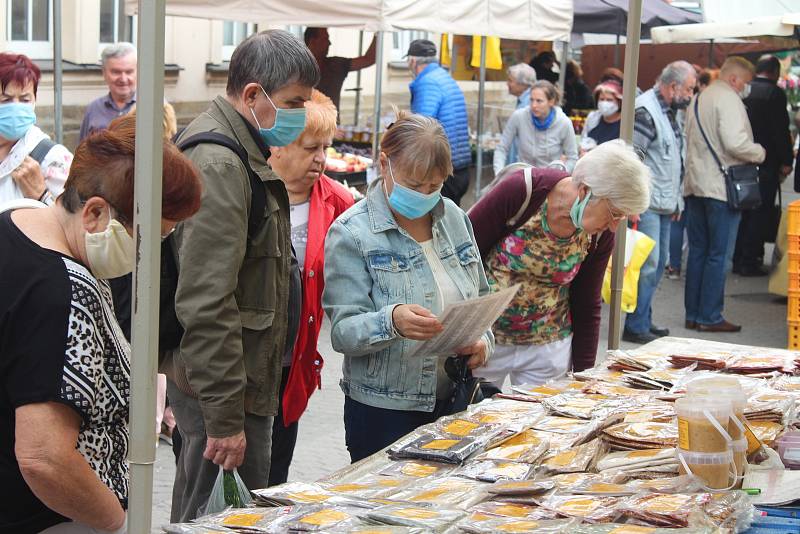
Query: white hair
pixel 613 171
pixel 522 73
pixel 117 50
pixel 424 60
pixel 676 72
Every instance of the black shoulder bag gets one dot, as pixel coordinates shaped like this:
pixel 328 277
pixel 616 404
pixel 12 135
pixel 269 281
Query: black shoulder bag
pixel 741 181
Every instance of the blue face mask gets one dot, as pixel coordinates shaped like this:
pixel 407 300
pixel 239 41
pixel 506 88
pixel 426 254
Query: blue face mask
pixel 289 124
pixel 16 119
pixel 409 203
pixel 578 207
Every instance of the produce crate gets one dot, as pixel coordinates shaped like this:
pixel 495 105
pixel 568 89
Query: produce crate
pixel 794 243
pixel 793 305
pixel 793 227
pixel 794 278
pixel 794 334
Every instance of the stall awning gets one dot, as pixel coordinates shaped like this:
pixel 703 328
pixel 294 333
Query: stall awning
pixel 783 25
pixel 535 20
pixel 611 16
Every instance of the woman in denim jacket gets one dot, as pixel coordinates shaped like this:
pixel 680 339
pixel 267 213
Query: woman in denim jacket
pixel 393 262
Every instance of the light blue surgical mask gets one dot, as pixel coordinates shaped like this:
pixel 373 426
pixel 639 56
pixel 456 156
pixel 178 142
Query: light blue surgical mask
pixel 577 210
pixel 409 203
pixel 289 124
pixel 16 118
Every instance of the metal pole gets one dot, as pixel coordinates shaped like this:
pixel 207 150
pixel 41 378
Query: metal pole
pixel 376 127
pixel 562 75
pixel 146 276
pixel 58 75
pixel 626 133
pixel 358 77
pixel 616 51
pixel 711 53
pixel 481 98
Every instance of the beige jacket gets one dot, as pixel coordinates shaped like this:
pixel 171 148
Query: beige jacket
pixel 725 122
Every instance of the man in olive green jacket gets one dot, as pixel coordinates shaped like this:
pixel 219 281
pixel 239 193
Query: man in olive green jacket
pixel 233 289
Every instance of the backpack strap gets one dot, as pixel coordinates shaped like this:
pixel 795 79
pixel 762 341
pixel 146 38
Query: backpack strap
pixel 258 200
pixel 528 192
pixel 41 149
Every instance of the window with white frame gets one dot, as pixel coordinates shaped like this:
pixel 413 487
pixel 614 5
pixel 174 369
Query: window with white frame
pixel 401 40
pixel 115 26
pixel 30 27
pixel 234 33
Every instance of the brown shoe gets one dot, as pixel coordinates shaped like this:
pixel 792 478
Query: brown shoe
pixel 722 326
pixel 690 325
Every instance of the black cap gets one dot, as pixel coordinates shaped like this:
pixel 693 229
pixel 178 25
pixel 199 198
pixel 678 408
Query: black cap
pixel 421 48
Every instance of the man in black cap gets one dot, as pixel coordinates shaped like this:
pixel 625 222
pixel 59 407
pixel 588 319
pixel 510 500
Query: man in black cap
pixel 436 94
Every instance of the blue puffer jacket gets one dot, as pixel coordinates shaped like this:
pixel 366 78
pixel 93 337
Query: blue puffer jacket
pixel 434 93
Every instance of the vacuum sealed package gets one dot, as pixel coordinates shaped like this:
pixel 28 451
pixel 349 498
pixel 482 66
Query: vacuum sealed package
pixel 375 529
pixel 574 460
pixel 635 459
pixel 509 413
pixel 611 489
pixel 664 510
pixel 730 510
pixel 656 412
pixel 435 518
pixel 505 488
pixel 557 441
pixel 490 525
pixel 316 518
pixel 293 493
pixel 494 470
pixel 597 509
pixel 369 487
pixel 416 469
pixel 565 425
pixel 614 528
pixel 581 405
pixel 194 528
pixel 513 510
pixel 567 481
pixel 455 492
pixel 248 519
pixel 633 436
pixel 526 447
pixel 437 448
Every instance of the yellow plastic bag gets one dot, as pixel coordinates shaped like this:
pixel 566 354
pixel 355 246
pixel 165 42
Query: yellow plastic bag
pixel 444 51
pixel 637 248
pixel 494 59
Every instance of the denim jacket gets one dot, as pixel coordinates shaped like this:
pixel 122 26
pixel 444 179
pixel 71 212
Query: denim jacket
pixel 373 265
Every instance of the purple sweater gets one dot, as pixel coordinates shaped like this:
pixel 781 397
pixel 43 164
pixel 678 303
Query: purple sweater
pixel 489 219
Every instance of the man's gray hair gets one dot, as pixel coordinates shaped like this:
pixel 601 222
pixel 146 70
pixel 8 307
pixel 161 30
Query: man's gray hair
pixel 425 60
pixel 273 59
pixel 522 73
pixel 676 72
pixel 117 50
pixel 613 171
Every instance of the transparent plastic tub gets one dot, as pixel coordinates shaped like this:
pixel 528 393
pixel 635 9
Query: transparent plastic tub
pixel 713 468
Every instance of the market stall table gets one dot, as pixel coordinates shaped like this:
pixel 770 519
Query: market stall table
pixel 593 453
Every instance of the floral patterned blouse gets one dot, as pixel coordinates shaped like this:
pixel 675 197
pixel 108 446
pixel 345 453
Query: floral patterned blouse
pixel 545 265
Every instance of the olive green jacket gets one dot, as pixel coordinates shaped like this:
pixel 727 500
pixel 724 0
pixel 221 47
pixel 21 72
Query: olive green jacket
pixel 232 295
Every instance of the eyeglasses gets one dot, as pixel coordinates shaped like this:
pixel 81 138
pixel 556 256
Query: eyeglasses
pixel 614 217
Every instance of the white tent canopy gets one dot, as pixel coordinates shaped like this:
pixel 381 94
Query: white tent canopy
pixel 782 26
pixel 535 20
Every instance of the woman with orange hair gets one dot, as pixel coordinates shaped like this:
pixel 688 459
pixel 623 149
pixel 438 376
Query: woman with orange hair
pixel 315 201
pixel 64 362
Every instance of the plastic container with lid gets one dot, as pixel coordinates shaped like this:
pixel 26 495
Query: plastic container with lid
pixel 715 469
pixel 703 423
pixel 788 446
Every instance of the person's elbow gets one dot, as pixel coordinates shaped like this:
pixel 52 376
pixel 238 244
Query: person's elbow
pixel 39 464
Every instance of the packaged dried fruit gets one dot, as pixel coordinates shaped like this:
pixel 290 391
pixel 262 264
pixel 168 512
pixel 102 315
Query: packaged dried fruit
pixel 437 448
pixel 521 487
pixel 456 492
pixel 494 470
pixel 416 469
pixel 666 510
pixel 434 518
pixel 572 460
pixel 597 509
pixel 526 447
pixel 491 525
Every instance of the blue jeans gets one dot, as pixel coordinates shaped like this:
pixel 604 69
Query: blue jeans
pixel 734 232
pixel 711 228
pixel 657 226
pixel 676 231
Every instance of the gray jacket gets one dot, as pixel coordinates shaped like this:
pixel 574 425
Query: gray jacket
pixel 537 147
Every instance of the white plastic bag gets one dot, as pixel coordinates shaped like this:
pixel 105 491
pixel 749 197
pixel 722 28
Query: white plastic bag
pixel 228 492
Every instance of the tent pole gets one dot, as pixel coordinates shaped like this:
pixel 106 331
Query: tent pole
pixel 146 276
pixel 58 75
pixel 479 136
pixel 358 78
pixel 616 52
pixel 376 126
pixel 562 75
pixel 626 134
pixel 711 53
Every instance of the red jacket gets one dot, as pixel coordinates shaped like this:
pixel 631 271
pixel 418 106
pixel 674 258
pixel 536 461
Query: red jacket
pixel 329 199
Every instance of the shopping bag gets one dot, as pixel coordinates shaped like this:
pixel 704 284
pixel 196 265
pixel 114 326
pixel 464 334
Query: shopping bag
pixel 444 51
pixel 637 248
pixel 228 492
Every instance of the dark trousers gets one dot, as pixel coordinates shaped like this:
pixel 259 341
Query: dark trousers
pixel 749 252
pixel 456 185
pixel 367 429
pixel 284 440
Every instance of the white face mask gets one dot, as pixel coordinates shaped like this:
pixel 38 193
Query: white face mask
pixel 112 252
pixel 745 92
pixel 607 107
